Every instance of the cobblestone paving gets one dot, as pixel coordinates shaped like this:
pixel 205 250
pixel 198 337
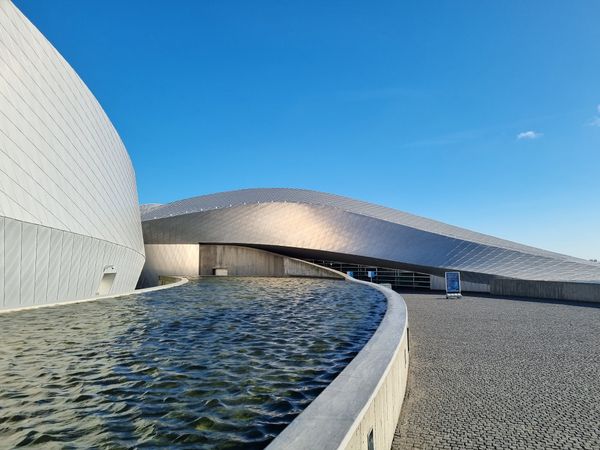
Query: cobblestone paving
pixel 501 374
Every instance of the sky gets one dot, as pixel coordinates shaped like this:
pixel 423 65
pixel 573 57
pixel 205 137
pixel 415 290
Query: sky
pixel 484 115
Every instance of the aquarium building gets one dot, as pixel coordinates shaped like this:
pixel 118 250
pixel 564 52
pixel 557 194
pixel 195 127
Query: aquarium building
pixel 70 226
pixel 351 235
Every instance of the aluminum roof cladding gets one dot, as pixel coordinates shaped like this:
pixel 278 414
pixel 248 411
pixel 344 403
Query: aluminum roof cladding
pixel 312 224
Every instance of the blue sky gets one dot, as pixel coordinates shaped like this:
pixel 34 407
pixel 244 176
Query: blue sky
pixel 485 115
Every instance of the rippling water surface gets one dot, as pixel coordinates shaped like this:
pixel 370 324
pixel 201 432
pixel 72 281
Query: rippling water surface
pixel 217 363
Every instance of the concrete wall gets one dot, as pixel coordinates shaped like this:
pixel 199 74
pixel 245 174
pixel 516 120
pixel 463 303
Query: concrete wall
pixel 297 268
pixel 240 261
pixel 169 259
pixel 439 284
pixel 365 398
pixel 557 290
pixel 251 262
pixel 192 260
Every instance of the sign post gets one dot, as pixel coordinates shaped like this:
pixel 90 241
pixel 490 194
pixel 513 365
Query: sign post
pixel 453 285
pixel 371 274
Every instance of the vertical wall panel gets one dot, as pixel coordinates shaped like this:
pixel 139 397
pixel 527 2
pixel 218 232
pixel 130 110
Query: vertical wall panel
pixel 28 250
pixel 128 264
pixel 84 273
pixel 1 262
pixel 65 267
pixel 54 259
pixel 41 265
pixel 116 261
pixel 12 266
pixel 99 266
pixel 132 279
pixel 121 279
pixel 92 268
pixel 111 261
pixel 131 264
pixel 75 263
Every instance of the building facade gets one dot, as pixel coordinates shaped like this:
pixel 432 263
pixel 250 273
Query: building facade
pixel 329 228
pixel 69 215
pixel 70 224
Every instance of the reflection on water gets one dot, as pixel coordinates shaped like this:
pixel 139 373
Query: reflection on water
pixel 218 363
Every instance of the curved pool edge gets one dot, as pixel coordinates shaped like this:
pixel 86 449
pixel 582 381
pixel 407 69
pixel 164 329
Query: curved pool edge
pixel 181 281
pixel 363 402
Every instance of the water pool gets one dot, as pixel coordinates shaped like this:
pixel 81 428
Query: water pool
pixel 217 363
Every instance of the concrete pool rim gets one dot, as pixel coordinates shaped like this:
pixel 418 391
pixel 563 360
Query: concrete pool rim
pixel 362 404
pixel 360 408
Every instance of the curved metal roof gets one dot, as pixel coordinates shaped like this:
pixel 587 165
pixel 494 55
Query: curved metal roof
pixel 280 217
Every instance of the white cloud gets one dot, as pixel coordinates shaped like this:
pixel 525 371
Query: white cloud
pixel 595 121
pixel 529 135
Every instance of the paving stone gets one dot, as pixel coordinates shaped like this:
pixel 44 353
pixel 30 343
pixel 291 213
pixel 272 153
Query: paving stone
pixel 501 373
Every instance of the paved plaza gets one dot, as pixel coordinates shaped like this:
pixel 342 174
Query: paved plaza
pixel 501 373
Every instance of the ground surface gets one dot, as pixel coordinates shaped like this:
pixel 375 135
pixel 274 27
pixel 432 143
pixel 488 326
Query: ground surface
pixel 500 373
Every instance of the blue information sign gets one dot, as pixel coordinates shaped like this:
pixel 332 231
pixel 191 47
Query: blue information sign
pixel 452 282
pixel 350 274
pixel 371 274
